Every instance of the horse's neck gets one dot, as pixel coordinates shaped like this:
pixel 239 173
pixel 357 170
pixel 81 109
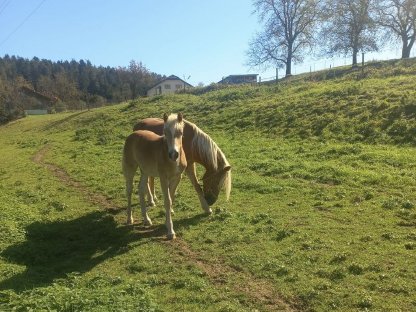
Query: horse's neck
pixel 198 148
pixel 198 158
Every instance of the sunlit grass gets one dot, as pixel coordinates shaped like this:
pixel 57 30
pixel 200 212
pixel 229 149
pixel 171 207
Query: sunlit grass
pixel 322 207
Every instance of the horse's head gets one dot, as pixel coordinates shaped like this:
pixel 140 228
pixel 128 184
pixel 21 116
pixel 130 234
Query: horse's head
pixel 213 183
pixel 173 132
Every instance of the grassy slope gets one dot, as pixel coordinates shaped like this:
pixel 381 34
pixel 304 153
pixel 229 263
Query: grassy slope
pixel 322 207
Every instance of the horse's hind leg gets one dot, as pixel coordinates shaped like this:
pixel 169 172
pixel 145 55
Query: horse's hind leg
pixel 129 176
pixel 151 197
pixel 143 189
pixel 152 187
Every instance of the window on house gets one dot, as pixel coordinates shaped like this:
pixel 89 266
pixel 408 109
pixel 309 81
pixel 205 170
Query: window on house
pixel 178 86
pixel 167 86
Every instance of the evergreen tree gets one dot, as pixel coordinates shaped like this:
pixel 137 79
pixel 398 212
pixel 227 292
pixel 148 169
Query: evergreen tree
pixel 75 83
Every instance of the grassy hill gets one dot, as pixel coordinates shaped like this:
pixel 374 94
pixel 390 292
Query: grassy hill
pixel 322 213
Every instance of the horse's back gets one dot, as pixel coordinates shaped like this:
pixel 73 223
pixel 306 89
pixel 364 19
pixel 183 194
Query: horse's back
pixel 143 148
pixel 156 125
pixel 152 124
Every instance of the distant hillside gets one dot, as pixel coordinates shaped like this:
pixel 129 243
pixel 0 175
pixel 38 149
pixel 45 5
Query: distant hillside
pixel 78 84
pixel 373 69
pixel 369 110
pixel 377 108
pixel 377 105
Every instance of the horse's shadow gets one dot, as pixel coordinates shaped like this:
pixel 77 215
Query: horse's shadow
pixel 54 249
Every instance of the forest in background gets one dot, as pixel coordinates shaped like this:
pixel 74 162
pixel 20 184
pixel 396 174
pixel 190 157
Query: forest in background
pixel 76 84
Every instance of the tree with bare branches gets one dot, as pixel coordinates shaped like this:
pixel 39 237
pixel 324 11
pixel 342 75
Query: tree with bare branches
pixel 348 27
pixel 398 18
pixel 288 32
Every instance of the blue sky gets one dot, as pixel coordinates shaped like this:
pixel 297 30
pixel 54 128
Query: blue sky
pixel 205 40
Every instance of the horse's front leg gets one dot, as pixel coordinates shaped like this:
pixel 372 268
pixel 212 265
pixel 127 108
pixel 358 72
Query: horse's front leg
pixel 173 185
pixel 164 183
pixel 143 188
pixel 191 173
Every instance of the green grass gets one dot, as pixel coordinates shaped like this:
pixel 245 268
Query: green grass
pixel 322 211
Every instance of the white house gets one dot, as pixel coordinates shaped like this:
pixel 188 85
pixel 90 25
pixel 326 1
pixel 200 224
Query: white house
pixel 168 85
pixel 36 111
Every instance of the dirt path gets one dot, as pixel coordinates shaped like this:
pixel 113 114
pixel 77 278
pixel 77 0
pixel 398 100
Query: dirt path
pixel 63 176
pixel 219 273
pixel 257 291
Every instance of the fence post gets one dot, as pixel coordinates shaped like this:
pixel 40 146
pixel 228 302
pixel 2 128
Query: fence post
pixel 362 67
pixel 277 74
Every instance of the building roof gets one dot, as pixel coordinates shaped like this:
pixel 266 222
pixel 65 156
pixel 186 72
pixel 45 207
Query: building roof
pixel 171 77
pixel 233 77
pixel 245 75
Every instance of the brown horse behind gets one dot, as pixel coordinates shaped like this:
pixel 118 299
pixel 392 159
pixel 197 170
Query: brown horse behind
pixel 156 156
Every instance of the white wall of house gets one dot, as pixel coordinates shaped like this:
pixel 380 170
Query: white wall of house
pixel 166 87
pixel 36 111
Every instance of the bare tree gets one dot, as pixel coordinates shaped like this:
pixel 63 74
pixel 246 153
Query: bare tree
pixel 349 28
pixel 288 32
pixel 398 17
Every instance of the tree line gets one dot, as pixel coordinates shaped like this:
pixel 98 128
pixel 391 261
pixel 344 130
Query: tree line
pixel 77 84
pixel 293 29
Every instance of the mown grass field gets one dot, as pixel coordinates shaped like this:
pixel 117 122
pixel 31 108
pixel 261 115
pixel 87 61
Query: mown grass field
pixel 322 215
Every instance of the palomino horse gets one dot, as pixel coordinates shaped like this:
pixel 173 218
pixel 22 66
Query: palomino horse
pixel 156 156
pixel 199 148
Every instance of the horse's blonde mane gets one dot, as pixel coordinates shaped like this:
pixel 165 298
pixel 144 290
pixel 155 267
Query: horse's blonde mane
pixel 210 152
pixel 207 149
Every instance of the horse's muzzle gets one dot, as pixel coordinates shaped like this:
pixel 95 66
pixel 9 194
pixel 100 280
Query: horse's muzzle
pixel 173 155
pixel 211 199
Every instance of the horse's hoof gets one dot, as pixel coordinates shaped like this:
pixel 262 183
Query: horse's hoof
pixel 208 211
pixel 130 222
pixel 171 236
pixel 148 222
pixel 152 204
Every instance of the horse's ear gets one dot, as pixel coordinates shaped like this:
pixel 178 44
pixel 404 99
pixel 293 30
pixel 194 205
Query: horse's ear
pixel 165 117
pixel 227 168
pixel 180 117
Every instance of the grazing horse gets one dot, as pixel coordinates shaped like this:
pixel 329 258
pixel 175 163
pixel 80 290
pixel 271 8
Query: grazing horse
pixel 156 156
pixel 199 148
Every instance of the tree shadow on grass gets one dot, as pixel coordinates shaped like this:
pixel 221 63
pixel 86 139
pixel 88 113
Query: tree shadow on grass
pixel 54 249
pixel 53 125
